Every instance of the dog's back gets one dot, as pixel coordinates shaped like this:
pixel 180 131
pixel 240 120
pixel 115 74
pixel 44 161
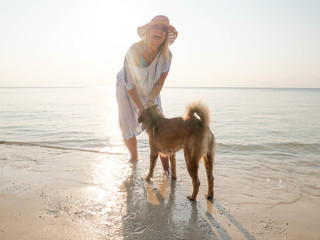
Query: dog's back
pixel 171 134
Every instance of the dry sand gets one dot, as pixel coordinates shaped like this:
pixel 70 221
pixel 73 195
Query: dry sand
pixel 35 204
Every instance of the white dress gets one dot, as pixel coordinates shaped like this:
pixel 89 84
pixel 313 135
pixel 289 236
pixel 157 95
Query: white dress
pixel 143 78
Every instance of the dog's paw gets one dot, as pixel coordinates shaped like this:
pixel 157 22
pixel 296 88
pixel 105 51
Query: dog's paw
pixel 173 176
pixel 191 198
pixel 148 178
pixel 209 196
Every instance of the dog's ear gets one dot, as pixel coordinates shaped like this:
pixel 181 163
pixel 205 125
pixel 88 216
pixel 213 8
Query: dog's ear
pixel 154 107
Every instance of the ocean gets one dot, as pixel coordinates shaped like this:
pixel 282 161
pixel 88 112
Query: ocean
pixel 271 131
pixel 267 140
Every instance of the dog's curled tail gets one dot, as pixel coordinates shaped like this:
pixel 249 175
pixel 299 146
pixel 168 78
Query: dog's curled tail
pixel 201 109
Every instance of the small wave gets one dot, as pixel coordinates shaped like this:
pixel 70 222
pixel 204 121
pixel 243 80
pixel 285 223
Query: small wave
pixel 287 149
pixel 56 147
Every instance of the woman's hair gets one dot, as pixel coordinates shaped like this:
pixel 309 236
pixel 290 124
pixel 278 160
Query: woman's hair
pixel 164 47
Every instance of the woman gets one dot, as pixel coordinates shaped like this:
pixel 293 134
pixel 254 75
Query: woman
pixel 141 79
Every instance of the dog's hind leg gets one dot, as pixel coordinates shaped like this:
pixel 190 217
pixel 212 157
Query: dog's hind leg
pixel 192 166
pixel 153 161
pixel 208 163
pixel 173 166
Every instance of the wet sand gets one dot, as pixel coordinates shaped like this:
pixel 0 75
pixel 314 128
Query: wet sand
pixel 103 197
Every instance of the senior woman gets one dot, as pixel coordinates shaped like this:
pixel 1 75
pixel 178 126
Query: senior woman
pixel 141 79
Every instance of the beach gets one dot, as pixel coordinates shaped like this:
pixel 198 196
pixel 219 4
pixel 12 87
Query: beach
pixel 38 204
pixel 67 176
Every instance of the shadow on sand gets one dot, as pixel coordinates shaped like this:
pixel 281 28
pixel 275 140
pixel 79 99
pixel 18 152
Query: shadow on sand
pixel 160 210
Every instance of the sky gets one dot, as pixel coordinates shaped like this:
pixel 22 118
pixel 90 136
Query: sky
pixel 226 43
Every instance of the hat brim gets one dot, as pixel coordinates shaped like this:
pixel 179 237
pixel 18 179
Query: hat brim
pixel 172 32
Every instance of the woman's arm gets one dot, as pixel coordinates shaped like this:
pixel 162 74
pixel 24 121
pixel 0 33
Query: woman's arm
pixel 136 99
pixel 156 89
pixel 130 60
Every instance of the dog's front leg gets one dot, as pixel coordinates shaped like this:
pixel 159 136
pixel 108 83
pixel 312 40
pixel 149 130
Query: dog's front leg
pixel 153 161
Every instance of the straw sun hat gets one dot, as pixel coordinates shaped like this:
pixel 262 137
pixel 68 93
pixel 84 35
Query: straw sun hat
pixel 160 19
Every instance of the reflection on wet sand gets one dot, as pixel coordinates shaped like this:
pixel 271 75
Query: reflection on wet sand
pixel 160 210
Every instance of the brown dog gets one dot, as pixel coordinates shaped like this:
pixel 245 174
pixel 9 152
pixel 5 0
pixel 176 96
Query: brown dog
pixel 191 132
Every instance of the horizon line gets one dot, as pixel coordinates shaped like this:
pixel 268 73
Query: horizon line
pixel 170 87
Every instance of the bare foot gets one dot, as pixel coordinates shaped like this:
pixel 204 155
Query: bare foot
pixel 133 160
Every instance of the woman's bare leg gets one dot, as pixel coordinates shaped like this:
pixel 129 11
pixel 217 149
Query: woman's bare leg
pixel 132 147
pixel 165 164
pixel 131 144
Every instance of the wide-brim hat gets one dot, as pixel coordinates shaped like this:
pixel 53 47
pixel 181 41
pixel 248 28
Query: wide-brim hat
pixel 160 19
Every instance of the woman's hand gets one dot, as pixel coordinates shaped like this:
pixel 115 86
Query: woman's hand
pixel 150 103
pixel 140 110
pixel 136 99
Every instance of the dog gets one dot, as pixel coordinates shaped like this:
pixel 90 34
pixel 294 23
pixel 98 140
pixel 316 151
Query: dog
pixel 190 133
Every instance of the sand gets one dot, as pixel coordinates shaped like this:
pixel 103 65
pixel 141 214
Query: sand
pixel 99 203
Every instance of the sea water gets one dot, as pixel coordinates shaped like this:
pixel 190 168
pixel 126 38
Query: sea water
pixel 267 140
